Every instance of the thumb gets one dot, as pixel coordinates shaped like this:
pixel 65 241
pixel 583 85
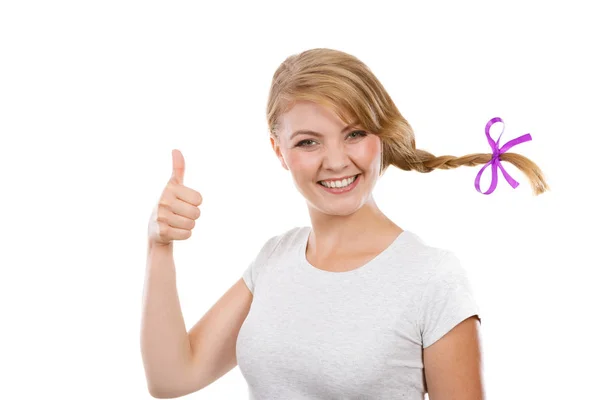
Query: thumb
pixel 178 166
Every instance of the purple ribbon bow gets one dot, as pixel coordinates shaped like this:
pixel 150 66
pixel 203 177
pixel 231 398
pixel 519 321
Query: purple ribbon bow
pixel 495 161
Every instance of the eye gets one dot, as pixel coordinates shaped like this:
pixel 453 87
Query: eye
pixel 300 144
pixel 360 134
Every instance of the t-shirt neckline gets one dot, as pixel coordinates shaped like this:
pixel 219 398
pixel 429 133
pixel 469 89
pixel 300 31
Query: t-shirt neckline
pixel 369 265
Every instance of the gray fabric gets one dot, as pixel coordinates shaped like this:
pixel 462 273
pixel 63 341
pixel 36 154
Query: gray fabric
pixel 359 334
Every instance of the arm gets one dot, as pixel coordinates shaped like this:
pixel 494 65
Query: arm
pixel 165 346
pixel 177 362
pixel 453 365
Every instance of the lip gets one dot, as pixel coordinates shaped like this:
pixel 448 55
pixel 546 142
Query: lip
pixel 338 179
pixel 342 190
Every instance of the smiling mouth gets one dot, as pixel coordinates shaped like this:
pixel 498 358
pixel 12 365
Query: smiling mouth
pixel 335 187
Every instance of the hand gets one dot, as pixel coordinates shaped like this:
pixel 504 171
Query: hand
pixel 173 217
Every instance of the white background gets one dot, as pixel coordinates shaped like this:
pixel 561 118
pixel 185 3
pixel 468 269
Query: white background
pixel 95 95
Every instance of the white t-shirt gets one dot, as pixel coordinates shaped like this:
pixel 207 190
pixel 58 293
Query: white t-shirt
pixel 359 334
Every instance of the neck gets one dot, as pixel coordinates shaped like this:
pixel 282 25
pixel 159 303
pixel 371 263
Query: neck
pixel 347 233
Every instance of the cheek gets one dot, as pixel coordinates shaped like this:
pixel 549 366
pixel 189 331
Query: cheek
pixel 299 162
pixel 371 149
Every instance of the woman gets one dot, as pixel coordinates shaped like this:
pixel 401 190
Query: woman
pixel 352 307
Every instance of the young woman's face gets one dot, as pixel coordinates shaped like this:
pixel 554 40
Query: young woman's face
pixel 333 151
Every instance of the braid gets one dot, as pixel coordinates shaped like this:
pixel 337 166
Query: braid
pixel 423 161
pixel 450 162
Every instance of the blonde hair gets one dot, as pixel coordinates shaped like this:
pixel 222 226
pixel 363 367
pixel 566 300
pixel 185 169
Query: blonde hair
pixel 345 85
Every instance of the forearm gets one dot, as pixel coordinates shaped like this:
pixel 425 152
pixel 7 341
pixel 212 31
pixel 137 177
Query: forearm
pixel 165 345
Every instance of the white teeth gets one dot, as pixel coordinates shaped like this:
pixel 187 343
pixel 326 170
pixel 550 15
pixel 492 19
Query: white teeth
pixel 338 184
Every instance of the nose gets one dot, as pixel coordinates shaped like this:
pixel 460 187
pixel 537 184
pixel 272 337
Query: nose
pixel 336 158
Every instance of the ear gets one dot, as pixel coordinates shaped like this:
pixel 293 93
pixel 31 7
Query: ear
pixel 277 150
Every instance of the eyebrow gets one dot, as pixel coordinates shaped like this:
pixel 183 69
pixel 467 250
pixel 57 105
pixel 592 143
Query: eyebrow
pixel 309 132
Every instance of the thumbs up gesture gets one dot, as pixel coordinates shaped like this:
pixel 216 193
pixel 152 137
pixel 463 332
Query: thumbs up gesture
pixel 177 210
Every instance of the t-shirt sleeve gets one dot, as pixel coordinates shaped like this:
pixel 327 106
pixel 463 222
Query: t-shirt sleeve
pixel 448 299
pixel 252 273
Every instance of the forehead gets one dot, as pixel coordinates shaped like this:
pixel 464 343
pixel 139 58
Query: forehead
pixel 309 115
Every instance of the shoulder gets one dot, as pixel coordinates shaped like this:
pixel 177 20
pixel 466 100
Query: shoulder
pixel 274 247
pixel 424 264
pixel 424 257
pixel 288 237
pixel 281 242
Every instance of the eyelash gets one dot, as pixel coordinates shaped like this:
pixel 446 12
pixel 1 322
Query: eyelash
pixel 362 133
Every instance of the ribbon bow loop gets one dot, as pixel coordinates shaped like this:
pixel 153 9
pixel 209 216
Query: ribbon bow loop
pixel 496 153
